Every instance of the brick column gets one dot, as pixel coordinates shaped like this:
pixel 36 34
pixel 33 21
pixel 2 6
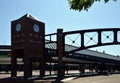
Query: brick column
pixel 27 67
pixel 60 53
pixel 14 65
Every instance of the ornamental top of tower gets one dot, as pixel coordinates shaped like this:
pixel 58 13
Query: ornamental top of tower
pixel 29 16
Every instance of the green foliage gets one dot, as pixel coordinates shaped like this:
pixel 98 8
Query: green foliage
pixel 83 4
pixel 35 64
pixel 2 56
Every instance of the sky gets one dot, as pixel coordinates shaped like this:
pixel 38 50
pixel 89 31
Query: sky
pixel 57 14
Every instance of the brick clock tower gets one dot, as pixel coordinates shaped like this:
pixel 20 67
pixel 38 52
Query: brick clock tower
pixel 28 43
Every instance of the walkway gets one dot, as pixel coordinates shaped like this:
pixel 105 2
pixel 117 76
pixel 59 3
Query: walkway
pixel 115 78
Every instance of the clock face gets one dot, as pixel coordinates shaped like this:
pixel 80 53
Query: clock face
pixel 18 27
pixel 36 28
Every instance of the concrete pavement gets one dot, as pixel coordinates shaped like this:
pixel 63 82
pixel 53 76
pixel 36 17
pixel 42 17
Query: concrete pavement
pixel 114 78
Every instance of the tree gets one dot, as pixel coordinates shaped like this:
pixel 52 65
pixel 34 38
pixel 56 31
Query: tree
pixel 83 4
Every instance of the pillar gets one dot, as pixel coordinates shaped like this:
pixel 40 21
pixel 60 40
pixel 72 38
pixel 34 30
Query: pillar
pixel 27 67
pixel 14 66
pixel 42 67
pixel 60 53
pixel 80 69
